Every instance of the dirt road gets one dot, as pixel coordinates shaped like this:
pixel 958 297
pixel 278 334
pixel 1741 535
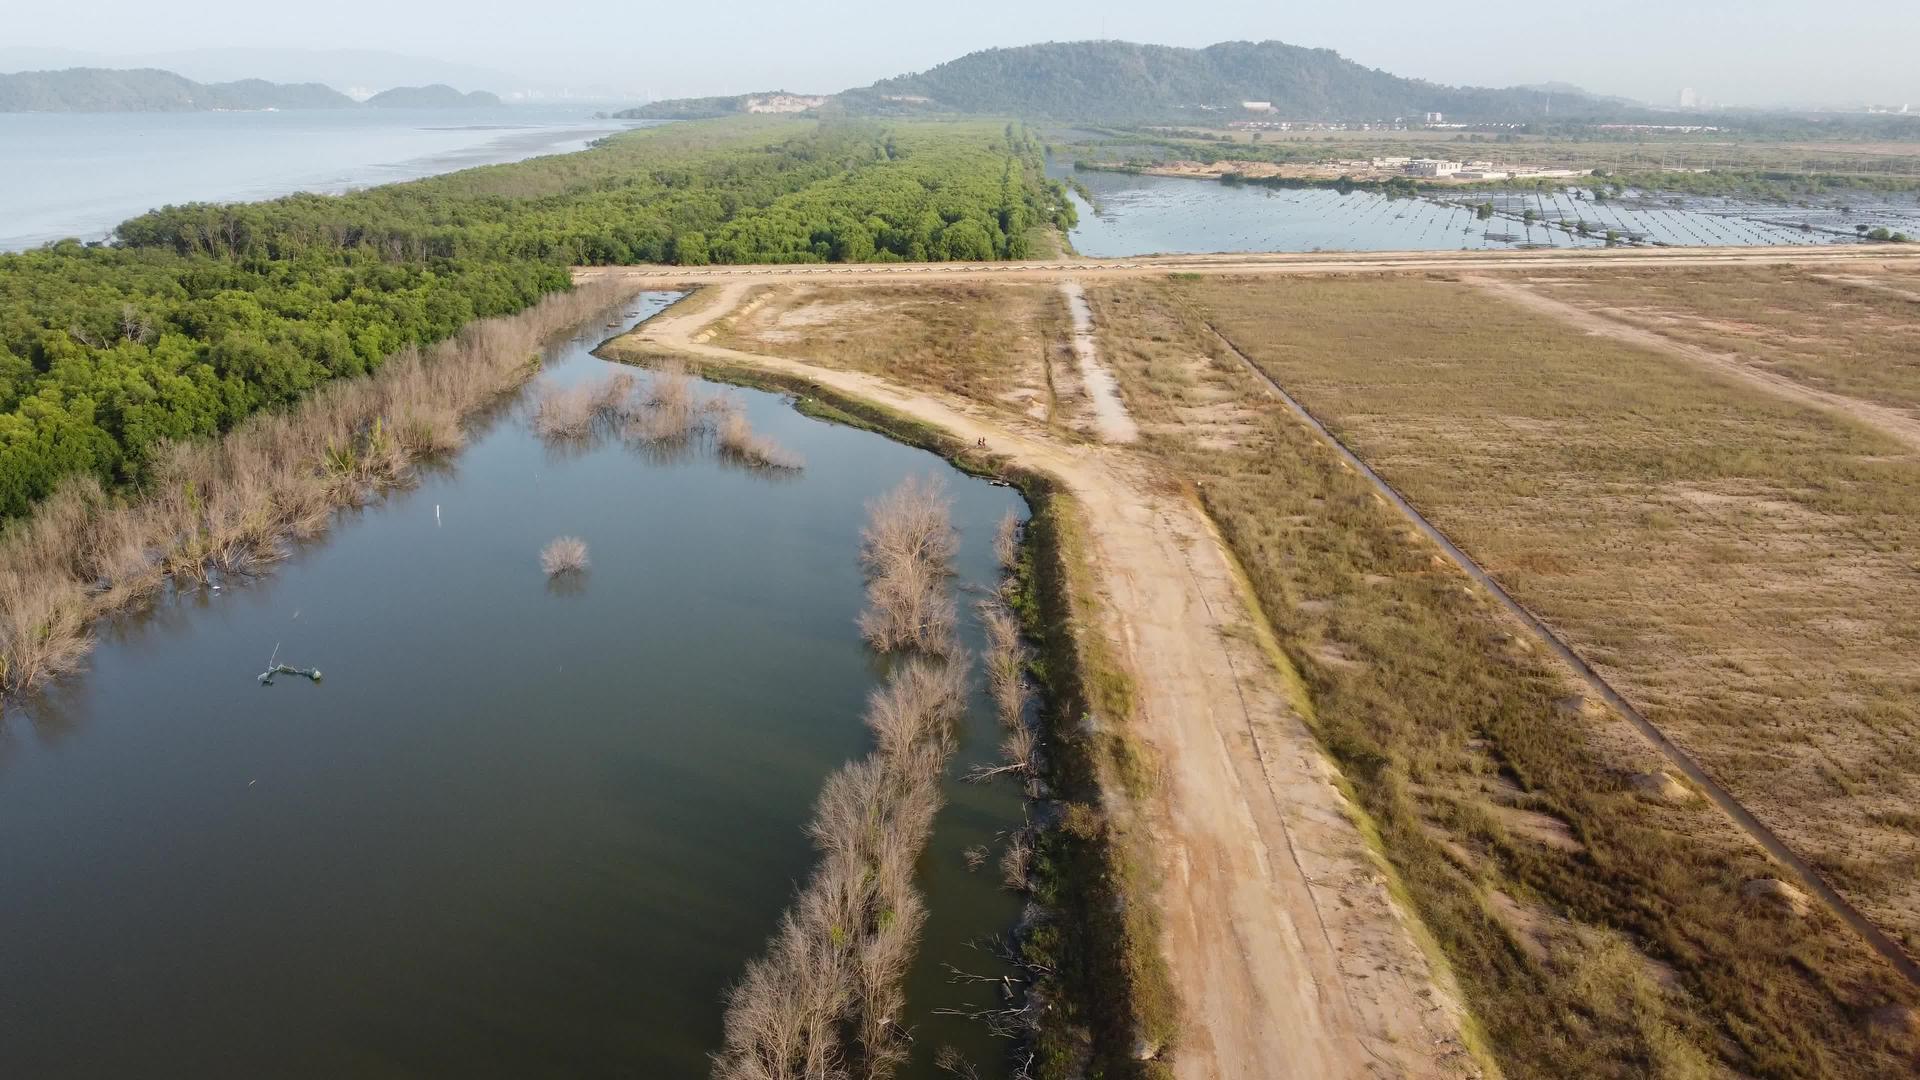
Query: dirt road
pixel 1110 417
pixel 1836 256
pixel 1289 955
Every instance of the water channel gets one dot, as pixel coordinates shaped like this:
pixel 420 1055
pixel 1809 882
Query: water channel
pixel 1139 214
pixel 517 830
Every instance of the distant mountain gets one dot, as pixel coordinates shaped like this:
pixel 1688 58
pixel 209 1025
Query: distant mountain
pixel 1121 82
pixel 152 90
pixel 773 101
pixel 342 68
pixel 437 96
pixel 261 94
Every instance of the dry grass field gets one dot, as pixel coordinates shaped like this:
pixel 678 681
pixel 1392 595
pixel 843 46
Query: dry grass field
pixel 1851 333
pixel 1735 563
pixel 998 344
pixel 1741 567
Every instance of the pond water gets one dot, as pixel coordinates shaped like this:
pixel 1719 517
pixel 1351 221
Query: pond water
pixel 517 830
pixel 1141 215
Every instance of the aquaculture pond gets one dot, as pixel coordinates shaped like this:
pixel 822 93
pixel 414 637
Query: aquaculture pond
pixel 1135 214
pixel 518 829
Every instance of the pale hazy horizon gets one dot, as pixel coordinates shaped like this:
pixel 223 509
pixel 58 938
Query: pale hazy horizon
pixel 1759 53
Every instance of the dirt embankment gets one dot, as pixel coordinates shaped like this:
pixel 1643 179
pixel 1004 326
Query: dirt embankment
pixel 1287 951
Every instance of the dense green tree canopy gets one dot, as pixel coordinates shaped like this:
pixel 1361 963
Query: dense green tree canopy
pixel 199 315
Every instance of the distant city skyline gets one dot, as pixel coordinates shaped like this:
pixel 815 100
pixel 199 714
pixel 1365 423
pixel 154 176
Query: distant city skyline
pixel 1762 52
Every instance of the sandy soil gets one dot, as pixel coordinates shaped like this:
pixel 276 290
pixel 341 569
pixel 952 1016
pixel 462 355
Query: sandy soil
pixel 1290 957
pixel 1889 421
pixel 1110 420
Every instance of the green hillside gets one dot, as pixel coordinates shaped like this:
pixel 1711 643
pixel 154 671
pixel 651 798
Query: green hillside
pixel 1120 82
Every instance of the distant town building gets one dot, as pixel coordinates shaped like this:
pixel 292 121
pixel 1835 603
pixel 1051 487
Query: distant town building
pixel 1431 167
pixel 1436 118
pixel 784 103
pixel 1257 106
pixel 1689 99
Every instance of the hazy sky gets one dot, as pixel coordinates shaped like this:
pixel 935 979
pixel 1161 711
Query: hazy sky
pixel 1757 51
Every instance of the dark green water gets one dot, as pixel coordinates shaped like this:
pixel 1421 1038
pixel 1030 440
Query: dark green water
pixel 516 831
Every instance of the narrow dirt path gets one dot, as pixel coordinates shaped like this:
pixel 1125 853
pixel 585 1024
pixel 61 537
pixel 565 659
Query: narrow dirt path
pixel 1110 419
pixel 1290 957
pixel 1889 421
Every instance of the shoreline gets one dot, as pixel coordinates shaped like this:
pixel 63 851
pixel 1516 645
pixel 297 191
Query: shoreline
pixel 95 218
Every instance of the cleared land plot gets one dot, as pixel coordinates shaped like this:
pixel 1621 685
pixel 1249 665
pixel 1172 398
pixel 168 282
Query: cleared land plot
pixel 1603 921
pixel 1742 567
pixel 1845 332
pixel 999 344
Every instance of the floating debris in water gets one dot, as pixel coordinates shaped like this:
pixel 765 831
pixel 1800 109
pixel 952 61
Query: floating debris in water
pixel 274 667
pixel 266 677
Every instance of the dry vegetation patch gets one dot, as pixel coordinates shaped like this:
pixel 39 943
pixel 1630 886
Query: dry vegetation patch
pixel 993 343
pixel 1852 334
pixel 1741 567
pixel 1559 893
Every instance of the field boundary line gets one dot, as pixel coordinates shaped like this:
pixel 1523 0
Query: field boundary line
pixel 1755 829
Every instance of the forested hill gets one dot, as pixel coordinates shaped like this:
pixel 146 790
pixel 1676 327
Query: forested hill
pixel 1119 82
pixel 437 96
pixel 152 90
pixel 704 108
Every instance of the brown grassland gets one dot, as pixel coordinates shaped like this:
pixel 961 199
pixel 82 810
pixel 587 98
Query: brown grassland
pixel 989 342
pixel 1742 568
pixel 1740 565
pixel 1847 332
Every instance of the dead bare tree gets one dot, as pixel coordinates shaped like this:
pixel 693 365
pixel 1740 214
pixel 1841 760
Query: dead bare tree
pixel 907 549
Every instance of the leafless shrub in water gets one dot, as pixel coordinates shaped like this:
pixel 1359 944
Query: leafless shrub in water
pixel 739 441
pixel 614 394
pixel 227 506
pixel 827 998
pixel 909 607
pixel 907 549
pixel 859 912
pixel 566 412
pixel 669 409
pixel 1016 863
pixel 1006 542
pixel 564 555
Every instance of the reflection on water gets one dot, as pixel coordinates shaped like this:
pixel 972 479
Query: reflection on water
pixel 521 828
pixel 1140 215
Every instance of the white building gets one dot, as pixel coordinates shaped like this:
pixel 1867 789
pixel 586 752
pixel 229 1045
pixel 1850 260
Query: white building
pixel 1689 99
pixel 1257 106
pixel 1432 167
pixel 1436 118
